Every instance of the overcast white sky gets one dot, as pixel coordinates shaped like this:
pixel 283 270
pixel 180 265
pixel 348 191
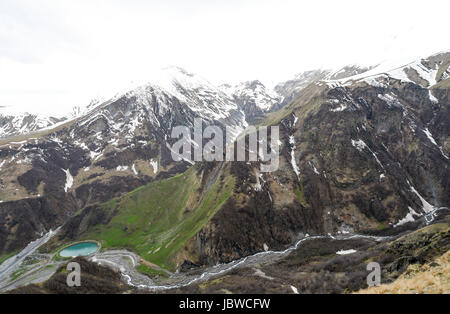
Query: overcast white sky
pixel 55 54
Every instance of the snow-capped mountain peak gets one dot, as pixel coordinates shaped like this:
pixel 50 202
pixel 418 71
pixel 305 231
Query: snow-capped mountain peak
pixel 201 96
pixel 256 92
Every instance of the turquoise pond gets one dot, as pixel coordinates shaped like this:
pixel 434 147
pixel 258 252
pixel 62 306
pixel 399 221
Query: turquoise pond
pixel 79 249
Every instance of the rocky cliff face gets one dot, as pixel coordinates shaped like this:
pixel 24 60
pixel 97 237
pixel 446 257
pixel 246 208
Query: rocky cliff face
pixel 369 152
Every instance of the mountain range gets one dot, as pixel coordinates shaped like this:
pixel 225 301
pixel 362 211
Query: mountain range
pixel 362 150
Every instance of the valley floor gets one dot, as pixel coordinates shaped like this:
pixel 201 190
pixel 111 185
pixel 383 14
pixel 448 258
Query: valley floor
pixel 411 262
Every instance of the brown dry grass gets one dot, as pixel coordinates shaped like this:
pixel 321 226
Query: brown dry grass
pixel 432 278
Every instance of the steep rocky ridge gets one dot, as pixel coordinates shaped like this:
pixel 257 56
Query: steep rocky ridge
pixel 360 154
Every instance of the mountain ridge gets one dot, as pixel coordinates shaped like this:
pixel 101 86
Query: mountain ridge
pixel 356 155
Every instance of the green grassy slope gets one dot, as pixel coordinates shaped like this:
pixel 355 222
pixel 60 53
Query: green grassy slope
pixel 156 220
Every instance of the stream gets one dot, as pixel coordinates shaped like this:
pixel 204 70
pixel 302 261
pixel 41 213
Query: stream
pixel 126 261
pixel 179 280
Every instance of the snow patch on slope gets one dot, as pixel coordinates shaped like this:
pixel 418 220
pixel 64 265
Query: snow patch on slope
pixel 432 140
pixel 293 162
pixel 69 180
pixel 408 218
pixel 427 207
pixel 154 165
pixel 134 170
pixel 345 252
pixel 122 168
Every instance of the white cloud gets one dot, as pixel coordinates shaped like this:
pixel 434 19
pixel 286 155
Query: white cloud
pixel 57 54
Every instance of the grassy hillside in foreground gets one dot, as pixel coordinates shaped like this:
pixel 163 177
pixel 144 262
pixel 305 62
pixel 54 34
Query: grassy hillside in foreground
pixel 433 278
pixel 156 220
